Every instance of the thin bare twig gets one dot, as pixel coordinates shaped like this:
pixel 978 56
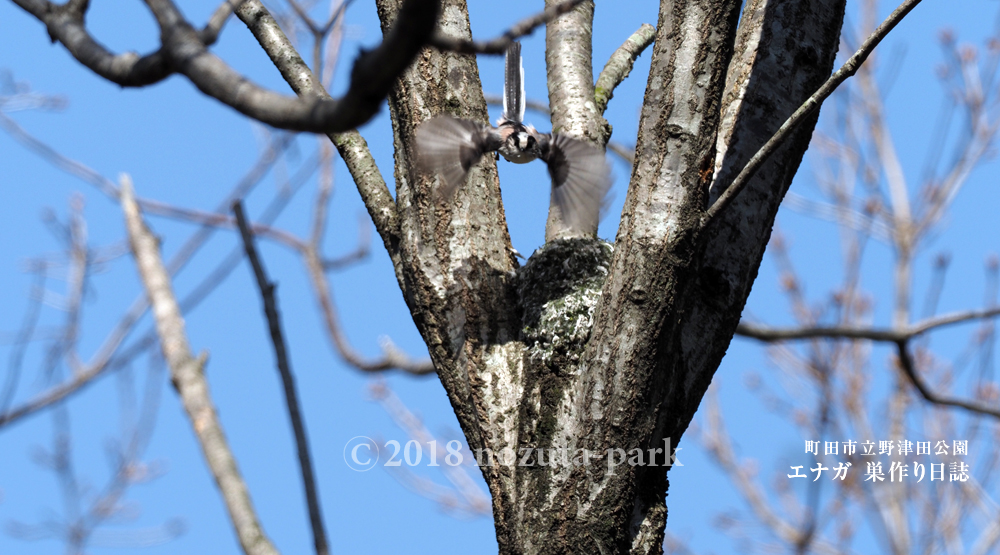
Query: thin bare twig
pixel 849 68
pixel 188 377
pixel 499 45
pixel 906 364
pixel 893 335
pixel 392 358
pixel 287 380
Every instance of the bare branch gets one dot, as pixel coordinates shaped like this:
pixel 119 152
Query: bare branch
pixel 569 68
pixel 68 165
pixel 359 253
pixel 849 68
pixel 392 358
pixel 65 24
pixel 215 219
pixel 287 380
pixel 906 363
pixel 210 32
pixel 892 335
pixel 620 64
pixel 184 52
pixel 499 45
pixel 351 145
pixel 188 377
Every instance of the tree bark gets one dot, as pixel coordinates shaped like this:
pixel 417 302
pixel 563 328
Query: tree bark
pixel 592 347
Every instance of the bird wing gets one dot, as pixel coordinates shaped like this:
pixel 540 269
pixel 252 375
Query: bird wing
pixel 513 84
pixel 581 178
pixel 448 147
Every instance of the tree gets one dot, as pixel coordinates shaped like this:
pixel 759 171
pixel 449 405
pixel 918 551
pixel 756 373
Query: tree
pixel 589 346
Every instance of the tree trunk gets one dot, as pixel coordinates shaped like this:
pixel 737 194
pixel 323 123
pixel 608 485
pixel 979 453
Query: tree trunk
pixel 592 347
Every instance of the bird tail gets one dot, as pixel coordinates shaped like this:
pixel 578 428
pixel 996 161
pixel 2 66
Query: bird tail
pixel 513 89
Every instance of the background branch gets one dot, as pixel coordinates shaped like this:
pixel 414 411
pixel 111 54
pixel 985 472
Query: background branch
pixel 187 375
pixel 288 382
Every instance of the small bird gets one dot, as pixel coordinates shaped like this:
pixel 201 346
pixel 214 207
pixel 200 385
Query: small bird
pixel 449 147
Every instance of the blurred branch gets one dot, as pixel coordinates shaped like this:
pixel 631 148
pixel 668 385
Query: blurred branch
pixel 210 32
pixel 184 51
pixel 499 45
pixel 620 64
pixel 906 364
pixel 350 144
pixel 900 337
pixel 48 153
pixel 469 499
pixel 188 376
pixel 716 440
pixel 766 334
pixel 287 380
pixel 392 358
pixel 849 68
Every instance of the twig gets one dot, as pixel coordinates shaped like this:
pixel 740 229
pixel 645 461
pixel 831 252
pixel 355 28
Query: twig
pixel 68 165
pixel 849 68
pixel 900 337
pixel 210 32
pixel 187 375
pixel 108 356
pixel 906 363
pixel 766 334
pixel 215 219
pixel 620 64
pixel 392 358
pixel 287 380
pixel 499 45
pixel 359 253
pixel 350 144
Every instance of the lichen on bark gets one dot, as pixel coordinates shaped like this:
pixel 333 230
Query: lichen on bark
pixel 559 288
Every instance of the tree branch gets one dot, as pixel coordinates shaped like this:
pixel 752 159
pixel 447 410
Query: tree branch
pixel 287 381
pixel 569 68
pixel 849 68
pixel 350 144
pixel 906 364
pixel 901 337
pixel 766 334
pixel 499 45
pixel 620 64
pixel 210 32
pixel 183 51
pixel 392 358
pixel 187 375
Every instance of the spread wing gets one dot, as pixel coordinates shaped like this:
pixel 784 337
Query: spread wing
pixel 581 178
pixel 448 147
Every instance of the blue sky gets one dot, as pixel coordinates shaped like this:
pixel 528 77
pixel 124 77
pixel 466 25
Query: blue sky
pixel 183 148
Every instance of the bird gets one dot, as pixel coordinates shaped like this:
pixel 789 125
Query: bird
pixel 448 147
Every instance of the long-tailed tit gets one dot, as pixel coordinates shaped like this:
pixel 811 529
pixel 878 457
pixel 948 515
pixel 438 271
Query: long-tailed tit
pixel 449 146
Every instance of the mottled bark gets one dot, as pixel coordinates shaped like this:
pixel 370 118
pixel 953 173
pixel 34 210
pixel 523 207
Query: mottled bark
pixel 569 67
pixel 591 345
